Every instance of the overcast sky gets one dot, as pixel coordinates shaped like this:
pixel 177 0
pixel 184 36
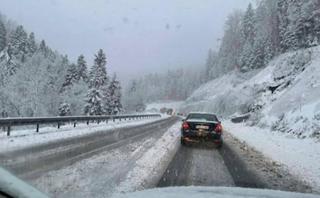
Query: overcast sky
pixel 138 36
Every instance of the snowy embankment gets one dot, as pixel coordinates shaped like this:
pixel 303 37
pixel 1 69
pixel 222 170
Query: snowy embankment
pixel 150 168
pixel 283 100
pixel 285 95
pixel 24 138
pixel 300 156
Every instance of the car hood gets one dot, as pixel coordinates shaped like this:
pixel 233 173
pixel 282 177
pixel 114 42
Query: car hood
pixel 12 186
pixel 212 192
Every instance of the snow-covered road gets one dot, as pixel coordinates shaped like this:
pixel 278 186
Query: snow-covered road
pixel 235 164
pixel 146 156
pixel 134 165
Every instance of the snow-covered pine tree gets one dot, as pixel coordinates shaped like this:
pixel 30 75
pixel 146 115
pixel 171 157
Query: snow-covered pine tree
pixel 98 80
pixel 282 13
pixel 3 34
pixel 248 24
pixel 82 68
pixel 32 45
pixel 94 102
pixel 98 73
pixel 316 22
pixel 272 25
pixel 106 99
pixel 18 42
pixel 247 57
pixel 309 23
pixel 257 59
pixel 266 34
pixel 247 37
pixel 231 45
pixel 291 36
pixel 71 76
pixel 269 51
pixel 43 48
pixel 75 73
pixel 64 109
pixel 114 105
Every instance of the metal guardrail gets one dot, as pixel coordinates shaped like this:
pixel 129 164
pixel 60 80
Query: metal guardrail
pixel 9 122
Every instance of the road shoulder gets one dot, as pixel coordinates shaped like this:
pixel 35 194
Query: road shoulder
pixel 273 174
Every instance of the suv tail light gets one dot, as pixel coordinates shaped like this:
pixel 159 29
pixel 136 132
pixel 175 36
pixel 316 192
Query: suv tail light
pixel 185 126
pixel 218 128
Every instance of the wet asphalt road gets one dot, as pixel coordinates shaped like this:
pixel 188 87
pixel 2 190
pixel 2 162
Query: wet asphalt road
pixel 203 165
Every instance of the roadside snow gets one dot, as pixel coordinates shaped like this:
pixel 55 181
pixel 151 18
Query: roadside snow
pixel 150 168
pixel 96 176
pixel 214 192
pixel 300 156
pixel 25 138
pixel 126 168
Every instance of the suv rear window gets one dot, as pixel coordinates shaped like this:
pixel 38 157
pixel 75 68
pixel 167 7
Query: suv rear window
pixel 206 117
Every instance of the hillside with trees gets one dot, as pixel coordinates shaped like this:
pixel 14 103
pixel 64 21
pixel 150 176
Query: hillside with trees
pixel 251 39
pixel 254 37
pixel 38 81
pixel 267 69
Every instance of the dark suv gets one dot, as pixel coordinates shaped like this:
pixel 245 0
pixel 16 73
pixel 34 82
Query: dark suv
pixel 200 127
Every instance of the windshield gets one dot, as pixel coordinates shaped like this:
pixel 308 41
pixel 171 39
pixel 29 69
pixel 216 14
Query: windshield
pixel 206 117
pixel 105 98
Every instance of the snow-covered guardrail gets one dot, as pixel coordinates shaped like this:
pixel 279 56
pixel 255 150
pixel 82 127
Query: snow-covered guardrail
pixel 7 123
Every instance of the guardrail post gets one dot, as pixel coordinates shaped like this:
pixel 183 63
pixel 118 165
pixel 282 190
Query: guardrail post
pixel 87 122
pixel 37 130
pixel 114 119
pixel 74 124
pixel 106 121
pixel 8 130
pixel 58 125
